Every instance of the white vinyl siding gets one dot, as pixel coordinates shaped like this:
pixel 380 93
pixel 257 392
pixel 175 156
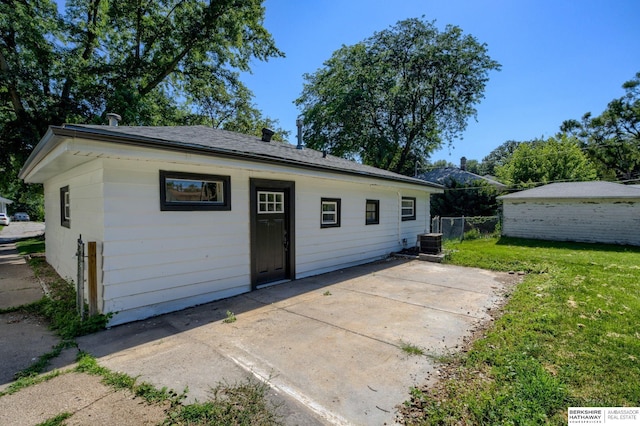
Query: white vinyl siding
pixel 158 261
pixel 86 205
pixel 592 220
pixel 152 261
pixel 322 250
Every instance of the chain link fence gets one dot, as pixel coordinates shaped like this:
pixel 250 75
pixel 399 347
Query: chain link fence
pixel 464 227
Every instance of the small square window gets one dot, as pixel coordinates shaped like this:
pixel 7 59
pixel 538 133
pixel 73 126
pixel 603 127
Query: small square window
pixel 372 212
pixel 270 202
pixel 408 208
pixel 65 207
pixel 330 213
pixel 190 191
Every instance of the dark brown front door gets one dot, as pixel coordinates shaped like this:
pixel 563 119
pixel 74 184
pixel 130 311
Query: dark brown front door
pixel 271 237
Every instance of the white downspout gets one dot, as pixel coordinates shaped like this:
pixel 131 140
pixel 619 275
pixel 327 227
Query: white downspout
pixel 400 219
pixel 427 216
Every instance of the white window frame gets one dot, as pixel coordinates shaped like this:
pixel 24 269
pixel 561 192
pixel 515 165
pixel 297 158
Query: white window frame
pixel 330 218
pixel 408 208
pixel 270 205
pixel 65 207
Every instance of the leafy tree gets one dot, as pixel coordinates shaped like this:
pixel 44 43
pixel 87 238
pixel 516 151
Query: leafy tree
pixel 546 161
pixel 497 157
pixel 438 164
pixel 477 198
pixel 473 166
pixel 612 139
pixel 230 108
pixel 143 60
pixel 393 98
pixel 441 164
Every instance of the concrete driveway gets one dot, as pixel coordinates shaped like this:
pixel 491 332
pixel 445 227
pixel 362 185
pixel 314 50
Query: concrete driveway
pixel 329 346
pixel 19 230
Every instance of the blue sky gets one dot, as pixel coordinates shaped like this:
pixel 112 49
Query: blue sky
pixel 560 58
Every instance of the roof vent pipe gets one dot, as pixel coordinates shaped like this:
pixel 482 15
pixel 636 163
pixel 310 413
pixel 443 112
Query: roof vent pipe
pixel 299 123
pixel 113 119
pixel 267 134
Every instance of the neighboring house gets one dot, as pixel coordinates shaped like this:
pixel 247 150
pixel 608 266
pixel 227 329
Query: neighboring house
pixel 187 215
pixel 460 175
pixel 596 212
pixel 3 205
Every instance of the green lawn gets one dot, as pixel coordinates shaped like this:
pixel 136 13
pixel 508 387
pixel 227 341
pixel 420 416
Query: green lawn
pixel 30 246
pixel 569 336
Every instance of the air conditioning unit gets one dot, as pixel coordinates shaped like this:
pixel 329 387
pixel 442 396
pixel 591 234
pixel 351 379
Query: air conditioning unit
pixel 430 243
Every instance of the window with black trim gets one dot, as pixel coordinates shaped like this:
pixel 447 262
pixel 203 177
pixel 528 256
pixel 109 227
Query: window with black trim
pixel 181 191
pixel 408 208
pixel 65 207
pixel 372 212
pixel 330 213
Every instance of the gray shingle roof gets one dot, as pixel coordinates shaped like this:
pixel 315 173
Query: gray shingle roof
pixel 440 176
pixel 595 189
pixel 207 140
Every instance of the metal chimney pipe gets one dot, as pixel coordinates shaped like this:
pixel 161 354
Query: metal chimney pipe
pixel 299 123
pixel 267 134
pixel 113 119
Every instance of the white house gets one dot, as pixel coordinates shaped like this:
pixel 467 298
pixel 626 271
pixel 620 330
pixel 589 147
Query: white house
pixel 4 202
pixel 602 212
pixel 186 215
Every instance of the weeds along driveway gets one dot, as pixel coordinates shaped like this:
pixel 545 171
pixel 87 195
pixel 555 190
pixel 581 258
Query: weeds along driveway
pixel 330 346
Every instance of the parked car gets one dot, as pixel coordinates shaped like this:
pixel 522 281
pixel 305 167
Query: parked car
pixel 4 219
pixel 21 217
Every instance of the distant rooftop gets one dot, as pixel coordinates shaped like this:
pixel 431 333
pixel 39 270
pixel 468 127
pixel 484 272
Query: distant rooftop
pixel 442 175
pixel 594 189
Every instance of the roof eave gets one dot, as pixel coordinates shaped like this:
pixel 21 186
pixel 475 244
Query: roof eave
pixel 44 147
pixel 574 197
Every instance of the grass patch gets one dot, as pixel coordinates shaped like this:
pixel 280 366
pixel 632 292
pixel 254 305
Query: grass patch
pixel 24 382
pixel 241 404
pixel 411 349
pixel 60 307
pixel 88 364
pixel 230 318
pixel 57 420
pixel 244 403
pixel 30 246
pixel 568 337
pixel 43 360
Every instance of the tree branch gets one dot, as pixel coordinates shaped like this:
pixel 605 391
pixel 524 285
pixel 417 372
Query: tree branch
pixel 16 100
pixel 168 69
pixel 150 43
pixel 89 46
pixel 210 16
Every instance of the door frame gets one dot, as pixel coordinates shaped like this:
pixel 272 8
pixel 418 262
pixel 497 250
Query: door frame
pixel 288 187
